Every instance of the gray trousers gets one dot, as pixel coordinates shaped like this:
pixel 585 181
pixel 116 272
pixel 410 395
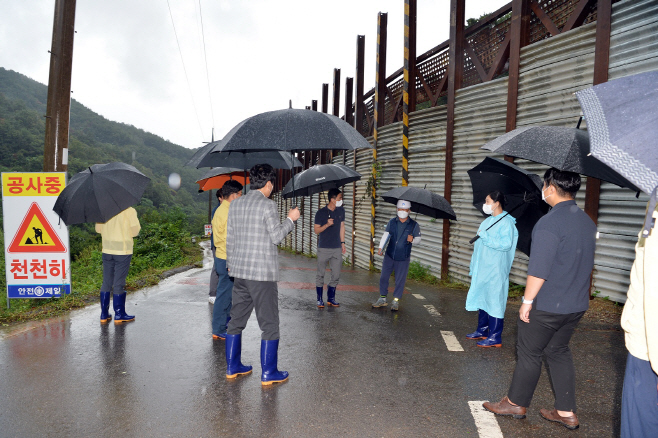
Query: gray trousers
pixel 115 271
pixel 264 296
pixel 333 256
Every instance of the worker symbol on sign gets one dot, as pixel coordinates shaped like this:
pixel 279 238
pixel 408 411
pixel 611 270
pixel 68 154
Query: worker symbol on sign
pixel 36 234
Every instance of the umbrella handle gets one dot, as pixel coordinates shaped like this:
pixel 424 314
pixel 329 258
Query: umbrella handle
pixel 472 241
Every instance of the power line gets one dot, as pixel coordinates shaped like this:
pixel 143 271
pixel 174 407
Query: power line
pixel 185 70
pixel 205 58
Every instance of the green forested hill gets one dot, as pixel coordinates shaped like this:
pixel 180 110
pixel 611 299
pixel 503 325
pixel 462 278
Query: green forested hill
pixel 94 139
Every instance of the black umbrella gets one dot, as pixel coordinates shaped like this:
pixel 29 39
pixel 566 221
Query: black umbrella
pixel 319 178
pixel 565 149
pixel 522 191
pixel 242 160
pixel 292 130
pixel 622 119
pixel 422 201
pixel 100 192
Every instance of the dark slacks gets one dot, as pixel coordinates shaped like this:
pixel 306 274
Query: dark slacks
pixel 401 269
pixel 546 334
pixel 115 271
pixel 261 295
pixel 223 297
pixel 639 400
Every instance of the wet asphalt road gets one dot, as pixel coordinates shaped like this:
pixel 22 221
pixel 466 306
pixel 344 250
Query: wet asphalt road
pixel 354 371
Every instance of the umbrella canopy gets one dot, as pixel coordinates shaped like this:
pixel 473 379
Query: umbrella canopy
pixel 622 119
pixel 565 149
pixel 100 192
pixel 422 201
pixel 522 191
pixel 215 178
pixel 292 130
pixel 242 160
pixel 319 178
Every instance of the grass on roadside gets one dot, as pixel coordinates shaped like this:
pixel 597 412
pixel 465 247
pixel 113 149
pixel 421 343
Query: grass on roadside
pixel 162 244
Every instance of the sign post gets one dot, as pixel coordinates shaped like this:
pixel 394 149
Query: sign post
pixel 37 256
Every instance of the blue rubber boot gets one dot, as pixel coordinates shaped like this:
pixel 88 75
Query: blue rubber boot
pixel 234 367
pixel 482 332
pixel 119 303
pixel 318 289
pixel 495 332
pixel 106 316
pixel 268 362
pixel 331 297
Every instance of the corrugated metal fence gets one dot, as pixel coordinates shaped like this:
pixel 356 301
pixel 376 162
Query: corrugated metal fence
pixel 551 71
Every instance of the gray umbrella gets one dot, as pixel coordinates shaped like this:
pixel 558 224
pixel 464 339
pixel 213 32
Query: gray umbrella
pixel 292 130
pixel 565 149
pixel 319 178
pixel 100 192
pixel 622 119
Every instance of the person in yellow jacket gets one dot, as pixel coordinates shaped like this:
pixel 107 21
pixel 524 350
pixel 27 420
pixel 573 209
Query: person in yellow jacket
pixel 117 235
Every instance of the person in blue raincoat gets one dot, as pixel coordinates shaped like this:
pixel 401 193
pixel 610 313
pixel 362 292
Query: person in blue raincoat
pixel 491 262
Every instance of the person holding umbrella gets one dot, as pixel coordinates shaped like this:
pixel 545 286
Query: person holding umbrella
pixel 117 236
pixel 555 299
pixel 400 234
pixel 253 233
pixel 231 190
pixel 214 278
pixel 330 228
pixel 491 262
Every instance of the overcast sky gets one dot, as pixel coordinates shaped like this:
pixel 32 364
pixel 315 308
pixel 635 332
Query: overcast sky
pixel 127 66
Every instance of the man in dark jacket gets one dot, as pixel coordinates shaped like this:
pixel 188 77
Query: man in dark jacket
pixel 400 234
pixel 555 299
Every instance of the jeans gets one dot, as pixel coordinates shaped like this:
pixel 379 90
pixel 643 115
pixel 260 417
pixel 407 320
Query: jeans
pixel 223 298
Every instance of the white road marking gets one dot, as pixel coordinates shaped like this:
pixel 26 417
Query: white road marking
pixel 418 296
pixel 451 341
pixel 485 421
pixel 432 310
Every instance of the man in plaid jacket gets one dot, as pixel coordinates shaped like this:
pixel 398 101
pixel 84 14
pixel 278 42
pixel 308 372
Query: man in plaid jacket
pixel 253 233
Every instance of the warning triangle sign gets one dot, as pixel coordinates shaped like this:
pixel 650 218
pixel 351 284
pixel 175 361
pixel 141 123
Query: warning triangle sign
pixel 36 234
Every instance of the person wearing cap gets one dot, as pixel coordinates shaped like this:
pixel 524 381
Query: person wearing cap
pixel 330 228
pixel 400 234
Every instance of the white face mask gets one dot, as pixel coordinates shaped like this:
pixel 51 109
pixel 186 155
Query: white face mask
pixel 487 208
pixel 339 203
pixel 403 214
pixel 543 197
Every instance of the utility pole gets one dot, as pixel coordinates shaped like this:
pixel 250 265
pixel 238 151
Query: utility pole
pixel 58 107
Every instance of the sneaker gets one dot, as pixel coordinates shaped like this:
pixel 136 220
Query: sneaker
pixel 381 302
pixel 211 300
pixel 394 305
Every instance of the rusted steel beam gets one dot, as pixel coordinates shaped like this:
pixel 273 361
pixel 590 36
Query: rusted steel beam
pixel 476 62
pixel 578 15
pixel 380 97
pixel 336 99
pixel 519 32
pixel 545 19
pixel 601 65
pixel 325 98
pixel 314 105
pixel 501 58
pixel 349 116
pixel 455 73
pixel 359 106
